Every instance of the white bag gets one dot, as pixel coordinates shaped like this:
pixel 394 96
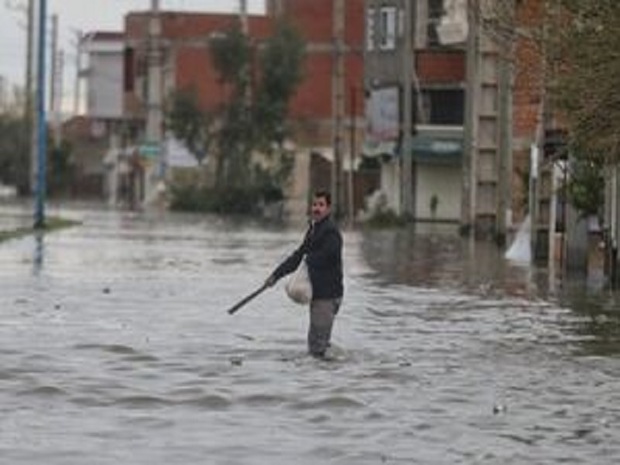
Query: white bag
pixel 299 287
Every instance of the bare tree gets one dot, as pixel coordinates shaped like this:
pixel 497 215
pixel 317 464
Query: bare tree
pixel 573 59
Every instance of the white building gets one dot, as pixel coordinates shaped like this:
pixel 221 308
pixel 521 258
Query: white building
pixel 104 74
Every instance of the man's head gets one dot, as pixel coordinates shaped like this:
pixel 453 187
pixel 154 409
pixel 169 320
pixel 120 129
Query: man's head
pixel 321 205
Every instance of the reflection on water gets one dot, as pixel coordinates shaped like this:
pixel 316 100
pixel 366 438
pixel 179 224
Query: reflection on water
pixel 597 318
pixel 119 351
pixel 436 256
pixel 39 247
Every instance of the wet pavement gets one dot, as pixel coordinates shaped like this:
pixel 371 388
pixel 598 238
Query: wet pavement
pixel 14 217
pixel 116 348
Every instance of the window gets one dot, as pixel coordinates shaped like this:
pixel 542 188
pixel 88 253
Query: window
pixel 129 69
pixel 382 28
pixel 435 13
pixel 443 106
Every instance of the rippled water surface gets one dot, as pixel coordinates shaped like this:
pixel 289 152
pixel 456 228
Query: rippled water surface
pixel 116 348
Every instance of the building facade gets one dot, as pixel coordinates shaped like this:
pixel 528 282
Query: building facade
pixel 326 112
pixel 438 98
pixel 96 134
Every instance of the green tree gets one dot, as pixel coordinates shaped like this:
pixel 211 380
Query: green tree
pixel 260 79
pixel 576 42
pixel 60 167
pixel 585 185
pixel 584 63
pixel 189 122
pixel 14 156
pixel 231 54
pixel 281 72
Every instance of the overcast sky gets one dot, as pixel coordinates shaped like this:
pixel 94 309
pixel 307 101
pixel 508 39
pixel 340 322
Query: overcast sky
pixel 84 15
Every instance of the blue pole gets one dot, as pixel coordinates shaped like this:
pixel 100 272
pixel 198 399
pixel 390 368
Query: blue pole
pixel 39 215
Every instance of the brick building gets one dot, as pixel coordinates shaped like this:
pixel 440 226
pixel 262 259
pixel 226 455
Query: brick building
pixel 185 39
pixel 438 94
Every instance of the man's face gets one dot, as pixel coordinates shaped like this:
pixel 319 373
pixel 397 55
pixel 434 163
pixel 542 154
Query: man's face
pixel 320 208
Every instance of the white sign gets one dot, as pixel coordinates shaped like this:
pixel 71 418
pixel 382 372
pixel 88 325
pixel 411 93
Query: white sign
pixel 382 115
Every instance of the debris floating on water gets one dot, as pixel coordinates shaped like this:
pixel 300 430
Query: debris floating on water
pixel 499 408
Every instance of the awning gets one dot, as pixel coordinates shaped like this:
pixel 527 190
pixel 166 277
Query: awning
pixel 379 148
pixel 441 150
pixel 438 144
pixel 431 144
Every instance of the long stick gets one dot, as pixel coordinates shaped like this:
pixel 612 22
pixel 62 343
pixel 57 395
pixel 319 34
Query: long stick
pixel 246 299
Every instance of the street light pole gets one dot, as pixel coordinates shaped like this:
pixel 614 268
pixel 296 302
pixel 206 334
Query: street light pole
pixel 79 37
pixel 29 110
pixel 407 164
pixel 39 216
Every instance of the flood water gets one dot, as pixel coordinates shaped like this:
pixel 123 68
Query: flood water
pixel 116 348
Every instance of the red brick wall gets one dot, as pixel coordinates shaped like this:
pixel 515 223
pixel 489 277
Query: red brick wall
pixel 313 97
pixel 527 94
pixel 439 66
pixel 192 63
pixel 528 73
pixel 312 17
pixel 314 20
pixel 194 25
pixel 194 71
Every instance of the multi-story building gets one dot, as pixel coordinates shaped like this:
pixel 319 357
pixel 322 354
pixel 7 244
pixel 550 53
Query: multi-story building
pixel 95 135
pixel 326 110
pixel 438 98
pixel 178 55
pixel 328 107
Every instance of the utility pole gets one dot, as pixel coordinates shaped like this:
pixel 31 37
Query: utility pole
pixel 470 143
pixel 338 106
pixel 53 58
pixel 39 216
pixel 352 150
pixel 78 70
pixel 243 13
pixel 407 163
pixel 29 106
pixel 53 85
pixel 247 70
pixel 154 116
pixel 57 107
pixel 506 49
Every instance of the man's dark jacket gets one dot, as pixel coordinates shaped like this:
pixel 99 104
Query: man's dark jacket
pixel 322 247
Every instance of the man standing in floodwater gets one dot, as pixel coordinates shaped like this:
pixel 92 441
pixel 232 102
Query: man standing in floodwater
pixel 322 248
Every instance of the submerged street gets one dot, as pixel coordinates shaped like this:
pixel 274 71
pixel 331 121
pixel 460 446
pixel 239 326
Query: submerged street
pixel 116 348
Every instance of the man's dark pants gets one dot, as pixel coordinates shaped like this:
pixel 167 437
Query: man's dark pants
pixel 322 314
